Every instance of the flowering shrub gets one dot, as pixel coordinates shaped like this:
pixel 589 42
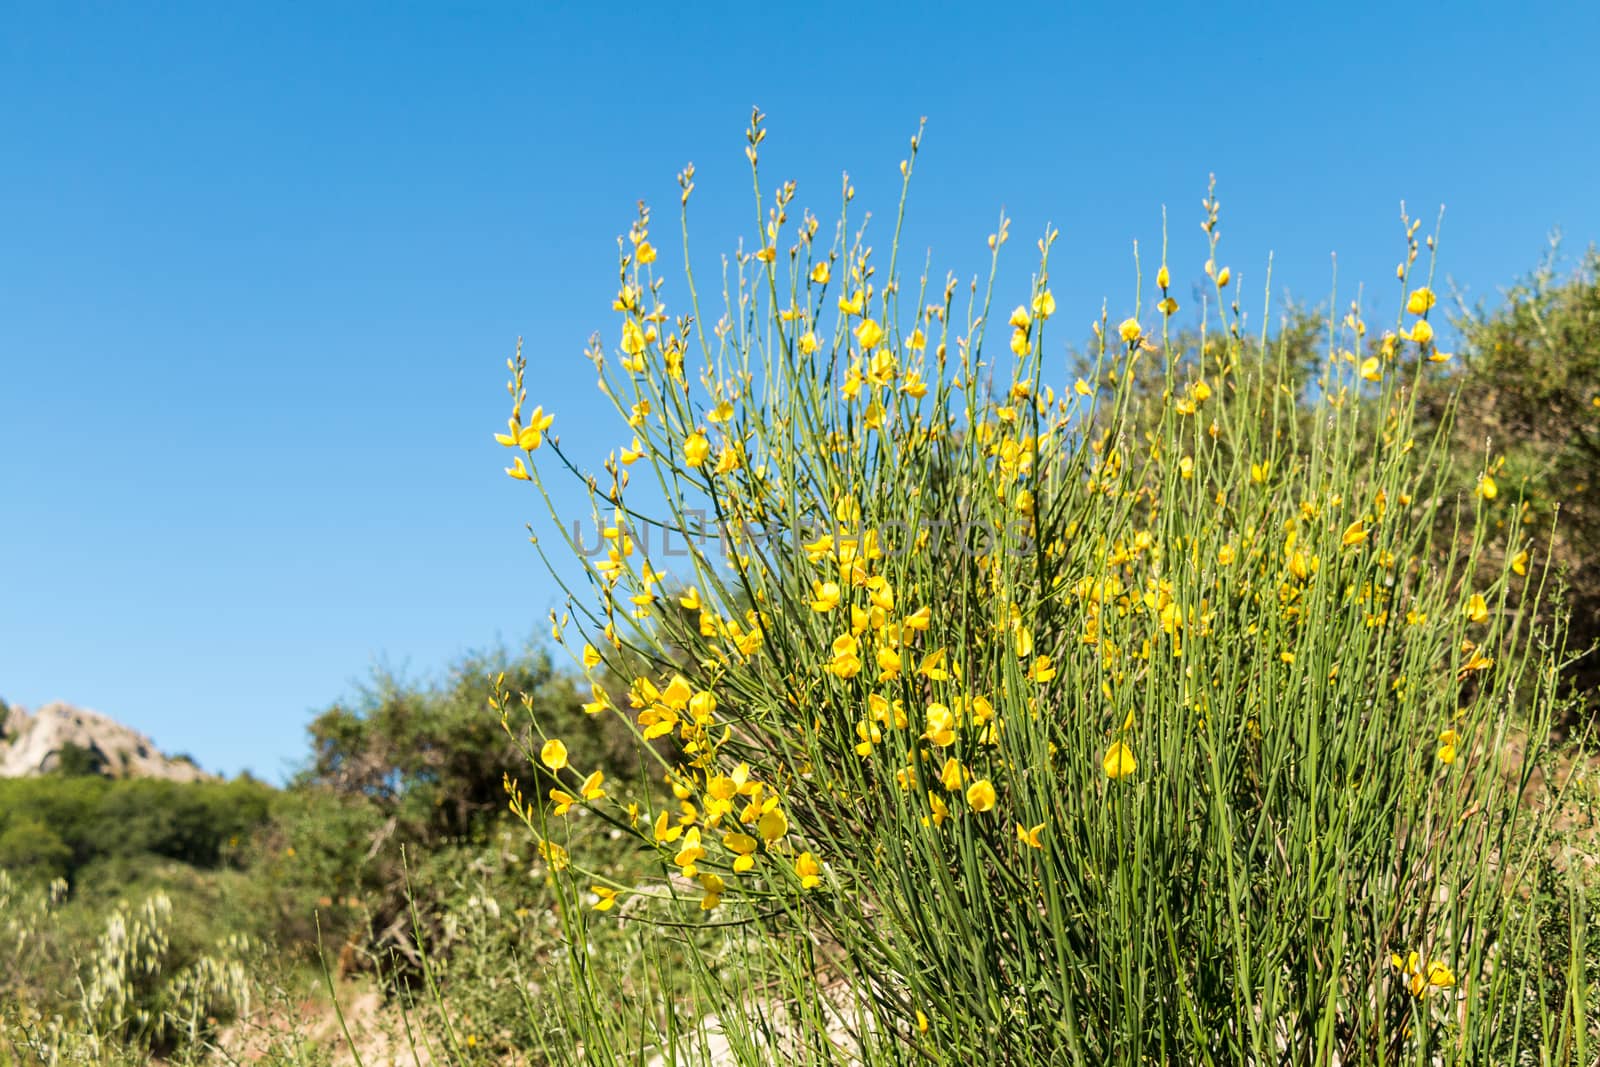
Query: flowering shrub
pixel 1133 718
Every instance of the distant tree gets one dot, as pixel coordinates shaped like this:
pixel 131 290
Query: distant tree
pixel 79 761
pixel 435 757
pixel 404 773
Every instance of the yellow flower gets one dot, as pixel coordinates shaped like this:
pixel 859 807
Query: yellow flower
pixel 666 832
pixel 1519 562
pixel 1477 609
pixel 517 470
pixel 941 732
pixel 593 786
pixel 554 855
pixel 820 273
pixel 1447 746
pixel 824 596
pixel 1422 332
pixel 868 334
pixel 1044 305
pixel 1130 331
pixel 1486 487
pixel 772 825
pixel 691 852
pixel 1420 301
pixel 846 660
pixel 591 657
pixel 1029 836
pixel 1019 318
pixel 1019 342
pixel 1355 533
pixel 743 846
pixel 646 252
pixel 1299 566
pixel 532 436
pixel 1371 369
pixel 980 795
pixel 696 449
pixel 808 870
pixel 712 886
pixel 632 338
pixel 1163 279
pixel 1119 761
pixel 1167 306
pixel 1420 980
pixel 605 897
pixel 951 775
pixel 1224 277
pixel 553 754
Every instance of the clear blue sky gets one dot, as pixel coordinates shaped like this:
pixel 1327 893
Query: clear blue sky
pixel 261 264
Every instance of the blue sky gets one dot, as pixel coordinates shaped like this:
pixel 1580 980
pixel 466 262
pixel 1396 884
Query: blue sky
pixel 261 266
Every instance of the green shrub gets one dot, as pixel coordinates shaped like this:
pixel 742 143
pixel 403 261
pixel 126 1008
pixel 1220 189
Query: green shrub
pixel 95 817
pixel 405 787
pixel 30 848
pixel 1528 420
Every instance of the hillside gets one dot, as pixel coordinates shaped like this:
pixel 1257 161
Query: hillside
pixel 39 742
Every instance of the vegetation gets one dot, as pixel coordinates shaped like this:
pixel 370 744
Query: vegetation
pixel 1529 423
pixel 1189 701
pixel 1057 718
pixel 70 824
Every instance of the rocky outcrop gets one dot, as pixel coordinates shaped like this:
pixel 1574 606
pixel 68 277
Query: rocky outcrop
pixel 40 742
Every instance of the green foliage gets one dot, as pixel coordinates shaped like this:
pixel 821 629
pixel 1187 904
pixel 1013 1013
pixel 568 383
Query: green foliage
pixel 1532 368
pixel 79 761
pixel 31 849
pixel 405 784
pixel 434 758
pixel 96 818
pixel 1529 415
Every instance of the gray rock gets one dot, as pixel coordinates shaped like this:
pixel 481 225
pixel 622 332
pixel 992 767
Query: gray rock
pixel 31 744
